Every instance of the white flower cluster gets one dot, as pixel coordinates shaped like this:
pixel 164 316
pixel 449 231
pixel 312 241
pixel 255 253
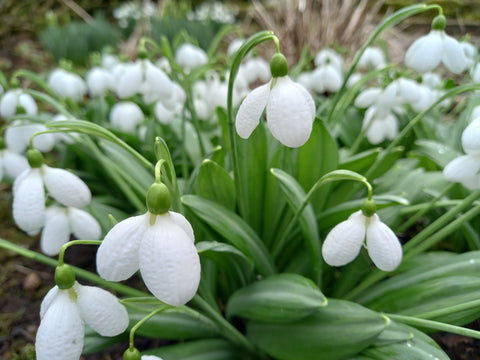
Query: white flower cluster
pixel 214 11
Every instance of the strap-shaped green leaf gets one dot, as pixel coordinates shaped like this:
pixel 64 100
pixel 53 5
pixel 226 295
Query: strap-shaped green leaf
pixel 279 298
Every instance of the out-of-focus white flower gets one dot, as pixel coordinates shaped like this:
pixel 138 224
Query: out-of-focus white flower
pixel 99 81
pixel 190 56
pixel 61 222
pixel 290 111
pixel 344 241
pixel 432 80
pixel 465 169
pixel 67 137
pixel 329 56
pixel 126 115
pixel 470 52
pixel 234 46
pixel 151 357
pixel 18 134
pixel 428 51
pixel 162 247
pixel 12 164
pixel 142 77
pixel 29 194
pixel 109 61
pixel 353 79
pixel 67 84
pixel 14 100
pixel 64 313
pixel 255 69
pixel 372 58
pixel 379 125
pixel 326 78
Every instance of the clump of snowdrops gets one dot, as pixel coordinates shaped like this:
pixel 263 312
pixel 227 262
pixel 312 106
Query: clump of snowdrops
pixel 327 213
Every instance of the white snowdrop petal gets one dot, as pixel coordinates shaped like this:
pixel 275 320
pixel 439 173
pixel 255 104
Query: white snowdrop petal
pixel 17 137
pixel 464 169
pixel 251 109
pixel 126 115
pixel 471 137
pixel 28 104
pixel 61 331
pixel 383 246
pixel 130 81
pixel 151 357
pixel 163 114
pixel 426 52
pixel 367 97
pixel 117 256
pixel 290 112
pixel 56 231
pixel 101 310
pixel 48 299
pixel 8 103
pixel 158 81
pixel 65 187
pixel 13 163
pixel 344 241
pixel 83 225
pixel 29 202
pixel 169 262
pixel 390 127
pixel 453 56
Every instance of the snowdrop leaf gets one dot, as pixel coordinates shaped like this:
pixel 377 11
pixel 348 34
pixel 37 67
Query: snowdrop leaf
pixel 359 162
pixel 317 157
pixel 278 298
pixel 208 248
pixel 214 183
pixel 439 153
pixel 101 310
pixel 295 196
pixel 337 331
pixel 94 343
pixel 233 229
pixel 204 349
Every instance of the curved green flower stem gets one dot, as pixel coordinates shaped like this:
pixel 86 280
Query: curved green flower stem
pixel 392 20
pixel 84 274
pixel 246 47
pixel 426 238
pixel 451 93
pixel 65 246
pixel 116 175
pixel 158 170
pixel 142 321
pixel 335 175
pixel 52 101
pixel 434 325
pixel 426 208
pixel 170 178
pixel 226 328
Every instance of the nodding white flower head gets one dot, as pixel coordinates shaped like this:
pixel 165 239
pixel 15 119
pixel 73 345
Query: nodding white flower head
pixel 64 314
pixel 160 243
pixel 465 169
pixel 99 81
pixel 379 125
pixel 290 109
pixel 326 78
pixel 16 102
pixel 12 164
pixel 142 77
pixel 344 241
pixel 470 52
pixel 372 58
pixel 168 109
pixel 190 56
pixel 432 80
pixel 18 134
pixel 428 51
pixel 61 223
pixel 29 192
pixel 329 56
pixel 67 84
pixel 126 116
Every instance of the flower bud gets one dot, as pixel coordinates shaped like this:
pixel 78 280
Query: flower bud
pixel 278 65
pixel 158 199
pixel 35 158
pixel 369 208
pixel 132 354
pixel 439 23
pixel 64 276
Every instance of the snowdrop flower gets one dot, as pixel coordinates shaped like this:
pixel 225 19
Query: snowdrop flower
pixel 109 61
pixel 329 56
pixel 142 77
pixel 160 243
pixel 426 53
pixel 66 310
pixel 67 84
pixel 29 192
pixel 255 69
pixel 126 116
pixel 344 241
pixel 326 78
pixel 99 81
pixel 379 125
pixel 190 56
pixel 61 222
pixel 372 58
pixel 18 134
pixel 12 164
pixel 14 100
pixel 465 169
pixel 470 52
pixel 290 109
